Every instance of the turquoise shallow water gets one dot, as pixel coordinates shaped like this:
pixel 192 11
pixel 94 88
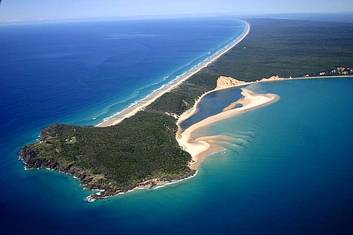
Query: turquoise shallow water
pixel 290 169
pixel 289 172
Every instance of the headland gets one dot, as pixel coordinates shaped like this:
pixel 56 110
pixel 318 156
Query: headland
pixel 138 148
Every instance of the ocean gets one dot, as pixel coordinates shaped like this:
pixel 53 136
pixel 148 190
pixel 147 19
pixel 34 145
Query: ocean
pixel 81 73
pixel 289 171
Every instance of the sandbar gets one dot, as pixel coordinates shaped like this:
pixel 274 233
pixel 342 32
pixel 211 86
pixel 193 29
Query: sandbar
pixel 200 147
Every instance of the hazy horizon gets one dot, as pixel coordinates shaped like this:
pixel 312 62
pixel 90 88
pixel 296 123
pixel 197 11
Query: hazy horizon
pixel 41 10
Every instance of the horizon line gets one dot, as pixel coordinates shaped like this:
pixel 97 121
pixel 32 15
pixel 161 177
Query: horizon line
pixel 175 16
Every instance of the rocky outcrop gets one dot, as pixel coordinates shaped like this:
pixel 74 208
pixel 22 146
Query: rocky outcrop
pixel 103 186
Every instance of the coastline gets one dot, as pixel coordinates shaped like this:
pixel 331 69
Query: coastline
pixel 103 191
pixel 149 99
pixel 281 168
pixel 205 145
pixel 201 147
pixel 142 186
pixel 209 144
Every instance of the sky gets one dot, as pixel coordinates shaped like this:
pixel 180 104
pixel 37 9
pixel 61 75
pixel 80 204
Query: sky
pixel 37 10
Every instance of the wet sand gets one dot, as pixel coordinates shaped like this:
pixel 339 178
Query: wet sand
pixel 200 147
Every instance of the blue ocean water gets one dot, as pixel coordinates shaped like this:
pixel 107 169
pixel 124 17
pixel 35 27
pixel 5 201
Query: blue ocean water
pixel 81 73
pixel 84 72
pixel 292 174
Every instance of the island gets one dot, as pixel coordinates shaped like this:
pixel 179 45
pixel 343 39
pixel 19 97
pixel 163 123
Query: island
pixel 142 148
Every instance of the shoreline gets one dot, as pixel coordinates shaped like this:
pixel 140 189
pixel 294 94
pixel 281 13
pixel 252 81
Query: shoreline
pixel 205 145
pixel 209 145
pixel 104 142
pixel 149 99
pixel 201 147
pixel 162 184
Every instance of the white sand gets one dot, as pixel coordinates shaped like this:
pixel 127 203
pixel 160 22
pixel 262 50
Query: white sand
pixel 140 105
pixel 202 146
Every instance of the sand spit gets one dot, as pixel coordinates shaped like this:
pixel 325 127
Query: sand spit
pixel 200 147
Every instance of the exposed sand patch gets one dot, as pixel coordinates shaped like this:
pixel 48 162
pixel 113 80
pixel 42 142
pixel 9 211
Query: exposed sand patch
pixel 200 147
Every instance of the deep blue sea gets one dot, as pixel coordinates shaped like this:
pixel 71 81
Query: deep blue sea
pixel 290 171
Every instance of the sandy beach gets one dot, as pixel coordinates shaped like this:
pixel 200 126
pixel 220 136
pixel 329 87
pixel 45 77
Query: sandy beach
pixel 143 103
pixel 200 147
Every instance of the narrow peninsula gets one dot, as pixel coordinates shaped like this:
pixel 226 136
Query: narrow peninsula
pixel 144 146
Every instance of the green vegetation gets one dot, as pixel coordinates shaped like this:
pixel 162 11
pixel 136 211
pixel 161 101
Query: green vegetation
pixel 143 147
pixel 116 158
pixel 287 48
